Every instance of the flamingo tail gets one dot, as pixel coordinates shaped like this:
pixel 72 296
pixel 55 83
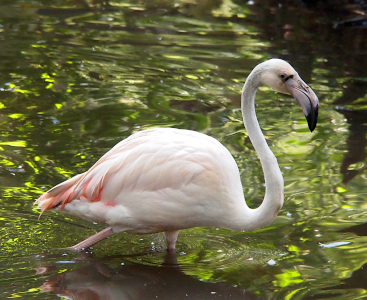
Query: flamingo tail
pixel 60 194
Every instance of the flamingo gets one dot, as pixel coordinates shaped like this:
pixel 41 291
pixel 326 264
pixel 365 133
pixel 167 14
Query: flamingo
pixel 167 179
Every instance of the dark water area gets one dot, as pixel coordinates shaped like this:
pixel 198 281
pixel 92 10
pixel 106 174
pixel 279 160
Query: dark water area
pixel 76 77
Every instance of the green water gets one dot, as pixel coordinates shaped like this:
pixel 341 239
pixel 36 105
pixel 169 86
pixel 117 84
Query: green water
pixel 77 77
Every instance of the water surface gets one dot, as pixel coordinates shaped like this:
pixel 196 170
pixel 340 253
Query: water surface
pixel 76 78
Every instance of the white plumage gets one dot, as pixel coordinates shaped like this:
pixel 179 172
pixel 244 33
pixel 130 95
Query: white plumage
pixel 165 179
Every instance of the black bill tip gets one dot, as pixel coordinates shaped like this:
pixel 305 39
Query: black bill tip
pixel 312 117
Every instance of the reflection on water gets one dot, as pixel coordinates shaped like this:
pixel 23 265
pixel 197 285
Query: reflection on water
pixel 77 77
pixel 93 279
pixel 353 161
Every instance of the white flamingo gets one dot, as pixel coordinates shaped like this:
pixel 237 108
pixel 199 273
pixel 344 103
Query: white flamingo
pixel 165 179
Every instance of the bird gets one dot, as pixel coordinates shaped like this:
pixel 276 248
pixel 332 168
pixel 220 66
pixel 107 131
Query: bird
pixel 168 179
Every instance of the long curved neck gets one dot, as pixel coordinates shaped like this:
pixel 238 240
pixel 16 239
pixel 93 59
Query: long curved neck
pixel 274 185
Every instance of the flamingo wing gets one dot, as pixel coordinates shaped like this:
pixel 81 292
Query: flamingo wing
pixel 157 165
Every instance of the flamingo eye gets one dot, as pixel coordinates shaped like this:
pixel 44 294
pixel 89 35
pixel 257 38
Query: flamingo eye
pixel 288 77
pixel 284 77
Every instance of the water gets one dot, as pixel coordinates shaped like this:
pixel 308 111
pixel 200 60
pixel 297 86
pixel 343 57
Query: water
pixel 75 80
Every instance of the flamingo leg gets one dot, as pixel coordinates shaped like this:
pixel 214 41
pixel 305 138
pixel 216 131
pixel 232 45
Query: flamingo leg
pixel 170 259
pixel 92 240
pixel 171 238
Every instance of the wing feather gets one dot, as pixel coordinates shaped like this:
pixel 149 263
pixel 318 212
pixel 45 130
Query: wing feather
pixel 147 161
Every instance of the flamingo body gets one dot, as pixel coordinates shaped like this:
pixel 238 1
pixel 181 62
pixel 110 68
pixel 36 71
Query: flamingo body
pixel 156 180
pixel 165 179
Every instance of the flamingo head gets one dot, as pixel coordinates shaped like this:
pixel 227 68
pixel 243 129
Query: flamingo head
pixel 280 76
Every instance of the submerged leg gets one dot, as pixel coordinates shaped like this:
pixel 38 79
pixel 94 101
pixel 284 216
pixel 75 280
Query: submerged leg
pixel 170 259
pixel 171 238
pixel 94 239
